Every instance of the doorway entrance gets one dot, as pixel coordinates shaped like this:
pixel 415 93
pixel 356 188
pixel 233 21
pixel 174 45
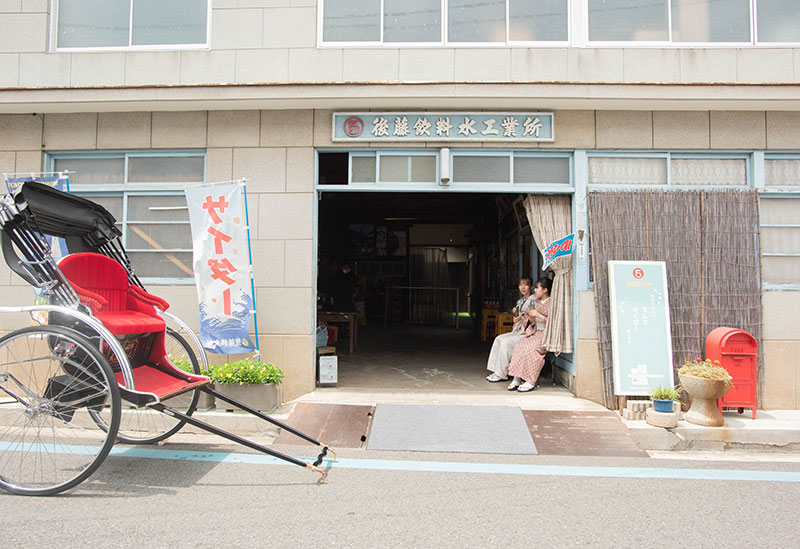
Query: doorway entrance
pixel 423 268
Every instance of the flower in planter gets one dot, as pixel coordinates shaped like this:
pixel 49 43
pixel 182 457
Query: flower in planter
pixel 246 372
pixel 705 368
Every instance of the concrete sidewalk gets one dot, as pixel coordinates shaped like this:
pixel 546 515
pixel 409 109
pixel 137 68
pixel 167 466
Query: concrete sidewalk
pixel 773 430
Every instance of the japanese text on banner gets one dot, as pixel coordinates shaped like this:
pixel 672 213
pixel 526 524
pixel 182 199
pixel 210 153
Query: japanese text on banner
pixel 221 267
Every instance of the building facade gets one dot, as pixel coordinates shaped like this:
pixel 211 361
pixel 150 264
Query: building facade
pixel 138 100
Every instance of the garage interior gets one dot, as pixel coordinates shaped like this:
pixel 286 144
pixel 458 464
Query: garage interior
pixel 426 266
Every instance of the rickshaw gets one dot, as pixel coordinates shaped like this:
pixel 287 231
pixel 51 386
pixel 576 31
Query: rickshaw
pixel 98 364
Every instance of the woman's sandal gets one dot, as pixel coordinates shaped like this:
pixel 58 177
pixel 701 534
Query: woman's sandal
pixel 494 378
pixel 525 387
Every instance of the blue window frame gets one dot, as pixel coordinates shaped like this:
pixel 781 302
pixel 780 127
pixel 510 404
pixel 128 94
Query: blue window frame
pixel 144 190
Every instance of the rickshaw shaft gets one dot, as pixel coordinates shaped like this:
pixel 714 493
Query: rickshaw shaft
pixel 258 414
pixel 224 434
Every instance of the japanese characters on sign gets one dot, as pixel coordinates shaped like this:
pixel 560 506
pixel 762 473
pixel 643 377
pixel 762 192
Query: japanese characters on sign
pixel 434 126
pixel 222 267
pixel 557 248
pixel 641 340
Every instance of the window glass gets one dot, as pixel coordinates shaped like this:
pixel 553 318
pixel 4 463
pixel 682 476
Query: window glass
pixel 543 20
pixel 159 169
pixel 708 171
pixel 481 169
pixel 412 21
pixel 394 169
pixel 628 20
pixel 778 20
pixel 154 224
pixel 541 170
pixel 710 20
pixel 780 240
pixel 423 169
pixel 93 171
pixel 476 21
pixel 157 208
pixel 363 169
pixel 782 172
pixel 173 22
pixel 93 23
pixel 627 171
pixel 351 21
pixel 162 264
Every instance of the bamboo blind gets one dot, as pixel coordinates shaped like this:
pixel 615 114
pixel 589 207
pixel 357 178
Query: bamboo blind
pixel 710 243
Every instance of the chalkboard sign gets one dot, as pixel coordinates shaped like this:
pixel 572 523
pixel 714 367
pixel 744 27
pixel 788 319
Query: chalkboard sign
pixel 641 341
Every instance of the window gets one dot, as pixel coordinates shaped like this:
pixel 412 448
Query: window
pixel 693 21
pixel 421 168
pixel 547 22
pixel 674 169
pixel 131 23
pixel 780 240
pixel 144 192
pixel 439 22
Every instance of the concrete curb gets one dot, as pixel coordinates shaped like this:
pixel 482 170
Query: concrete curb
pixel 773 430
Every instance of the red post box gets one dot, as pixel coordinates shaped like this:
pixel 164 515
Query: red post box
pixel 736 352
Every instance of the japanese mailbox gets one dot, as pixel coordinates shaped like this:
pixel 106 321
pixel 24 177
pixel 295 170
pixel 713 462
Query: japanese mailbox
pixel 736 352
pixel 641 341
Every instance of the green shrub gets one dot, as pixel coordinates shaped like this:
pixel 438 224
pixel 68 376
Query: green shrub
pixel 246 372
pixel 182 363
pixel 666 393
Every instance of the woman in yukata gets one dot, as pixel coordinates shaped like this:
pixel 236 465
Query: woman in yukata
pixel 527 358
pixel 503 345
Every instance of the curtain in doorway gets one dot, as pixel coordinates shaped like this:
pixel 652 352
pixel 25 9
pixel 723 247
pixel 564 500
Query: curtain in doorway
pixel 550 218
pixel 710 243
pixel 429 300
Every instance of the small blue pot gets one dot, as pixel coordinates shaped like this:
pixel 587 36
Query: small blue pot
pixel 662 405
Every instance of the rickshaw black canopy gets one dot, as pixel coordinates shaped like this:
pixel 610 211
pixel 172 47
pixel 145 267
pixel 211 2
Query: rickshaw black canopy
pixel 68 216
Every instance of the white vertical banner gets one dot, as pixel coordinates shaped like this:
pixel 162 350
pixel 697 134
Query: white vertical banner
pixel 222 266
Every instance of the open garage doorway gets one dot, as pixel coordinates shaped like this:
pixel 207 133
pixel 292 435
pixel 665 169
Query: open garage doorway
pixel 421 269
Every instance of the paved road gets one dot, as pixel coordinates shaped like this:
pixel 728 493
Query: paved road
pixel 213 495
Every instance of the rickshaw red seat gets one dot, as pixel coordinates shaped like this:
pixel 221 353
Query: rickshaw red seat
pixel 102 285
pixel 162 384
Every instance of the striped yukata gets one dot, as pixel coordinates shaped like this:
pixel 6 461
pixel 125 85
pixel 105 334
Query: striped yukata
pixel 527 360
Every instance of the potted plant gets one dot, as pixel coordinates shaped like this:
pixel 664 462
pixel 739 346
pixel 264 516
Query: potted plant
pixel 253 383
pixel 705 381
pixel 663 397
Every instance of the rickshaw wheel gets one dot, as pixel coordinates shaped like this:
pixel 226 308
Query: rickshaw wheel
pixel 146 426
pixel 49 377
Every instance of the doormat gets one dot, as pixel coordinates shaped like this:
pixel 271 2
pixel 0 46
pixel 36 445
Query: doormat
pixel 460 429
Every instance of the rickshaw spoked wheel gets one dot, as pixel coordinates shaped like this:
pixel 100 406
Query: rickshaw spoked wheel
pixel 146 426
pixel 49 377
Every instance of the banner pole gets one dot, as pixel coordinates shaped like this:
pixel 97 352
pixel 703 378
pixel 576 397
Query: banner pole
pixel 250 256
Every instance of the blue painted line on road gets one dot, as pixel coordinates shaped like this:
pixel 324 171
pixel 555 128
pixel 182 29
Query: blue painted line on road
pixel 480 468
pixel 431 466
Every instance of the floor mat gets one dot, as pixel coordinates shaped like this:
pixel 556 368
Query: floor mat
pixel 581 433
pixel 339 425
pixel 460 429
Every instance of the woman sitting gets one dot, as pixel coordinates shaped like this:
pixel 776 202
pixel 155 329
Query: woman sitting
pixel 527 358
pixel 503 345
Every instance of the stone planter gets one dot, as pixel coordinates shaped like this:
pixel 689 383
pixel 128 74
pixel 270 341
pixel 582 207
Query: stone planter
pixel 261 397
pixel 704 393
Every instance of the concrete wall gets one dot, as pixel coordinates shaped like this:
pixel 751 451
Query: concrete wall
pixel 270 41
